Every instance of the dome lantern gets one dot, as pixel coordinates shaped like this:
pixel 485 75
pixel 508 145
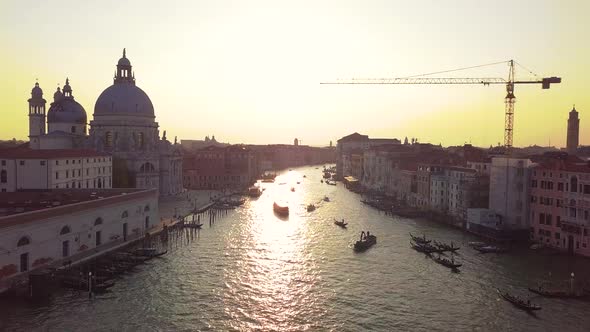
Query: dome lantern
pixel 124 73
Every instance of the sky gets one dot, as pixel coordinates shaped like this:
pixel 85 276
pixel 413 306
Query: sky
pixel 250 71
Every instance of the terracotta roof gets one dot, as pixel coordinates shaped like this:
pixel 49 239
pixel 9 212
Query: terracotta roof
pixel 26 153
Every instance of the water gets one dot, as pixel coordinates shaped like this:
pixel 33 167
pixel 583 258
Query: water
pixel 253 271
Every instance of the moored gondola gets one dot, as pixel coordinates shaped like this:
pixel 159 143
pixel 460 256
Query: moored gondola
pixel 518 302
pixel 420 240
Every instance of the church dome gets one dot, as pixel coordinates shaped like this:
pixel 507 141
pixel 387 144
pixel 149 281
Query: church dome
pixel 124 99
pixel 66 109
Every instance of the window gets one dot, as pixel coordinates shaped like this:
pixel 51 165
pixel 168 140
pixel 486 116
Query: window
pixel 560 186
pixel 73 129
pixel 125 214
pixel 3 176
pixel 549 185
pixel 23 241
pixel 98 221
pixel 67 174
pixel 3 162
pixel 42 163
pixel 146 208
pixel 57 162
pixel 548 220
pixel 586 189
pixel 22 163
pixel 557 235
pixel 108 139
pixel 541 218
pixel 56 175
pixel 65 230
pixel 585 231
pixel 534 183
pixel 558 221
pixel 574 184
pixel 67 162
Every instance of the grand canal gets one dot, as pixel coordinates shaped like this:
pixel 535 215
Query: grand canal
pixel 251 270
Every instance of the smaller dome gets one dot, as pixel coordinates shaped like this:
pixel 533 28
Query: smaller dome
pixel 66 110
pixel 124 62
pixel 37 92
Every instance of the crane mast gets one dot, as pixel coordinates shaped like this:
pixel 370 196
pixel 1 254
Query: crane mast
pixel 509 101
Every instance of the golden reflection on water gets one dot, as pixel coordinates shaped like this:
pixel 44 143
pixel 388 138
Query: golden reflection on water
pixel 273 266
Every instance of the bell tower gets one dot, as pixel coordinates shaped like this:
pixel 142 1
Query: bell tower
pixel 36 116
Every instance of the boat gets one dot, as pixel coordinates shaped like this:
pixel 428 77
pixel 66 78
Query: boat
pixel 293 189
pixel 366 241
pixel 490 249
pixel 268 180
pixel 340 223
pixel 327 175
pixel 446 247
pixel 322 181
pixel 420 240
pixel 326 199
pixel 282 210
pixel 310 208
pixel 149 252
pixel 304 175
pixel 332 183
pixel 450 263
pixel 474 244
pixel 298 182
pixel 193 225
pixel 254 191
pixel 557 293
pixel 426 248
pixel 518 302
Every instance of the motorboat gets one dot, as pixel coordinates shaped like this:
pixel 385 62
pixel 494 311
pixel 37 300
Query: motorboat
pixel 366 241
pixel 490 249
pixel 254 191
pixel 282 210
pixel 293 189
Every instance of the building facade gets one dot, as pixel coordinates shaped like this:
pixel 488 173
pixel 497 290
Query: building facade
pixel 27 169
pixel 573 131
pixel 43 228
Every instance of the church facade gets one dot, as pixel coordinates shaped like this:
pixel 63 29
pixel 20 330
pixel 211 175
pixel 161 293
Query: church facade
pixel 123 125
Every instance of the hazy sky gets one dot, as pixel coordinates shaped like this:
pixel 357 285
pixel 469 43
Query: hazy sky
pixel 249 71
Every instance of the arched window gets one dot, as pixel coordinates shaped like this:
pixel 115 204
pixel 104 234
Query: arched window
pixel 98 221
pixel 23 241
pixel 574 184
pixel 99 183
pixel 125 214
pixel 140 140
pixel 146 208
pixel 64 230
pixel 147 168
pixel 3 176
pixel 108 139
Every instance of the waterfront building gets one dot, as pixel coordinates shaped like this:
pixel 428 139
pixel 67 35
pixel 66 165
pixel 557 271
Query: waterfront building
pixel 56 227
pixel 573 131
pixel 355 144
pixel 22 168
pixel 509 194
pixel 193 144
pixel 560 203
pixel 123 126
pixel 230 167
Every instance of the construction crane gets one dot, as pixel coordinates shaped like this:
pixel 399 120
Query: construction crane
pixel 509 100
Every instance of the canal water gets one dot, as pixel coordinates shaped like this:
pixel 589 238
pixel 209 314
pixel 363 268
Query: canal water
pixel 251 270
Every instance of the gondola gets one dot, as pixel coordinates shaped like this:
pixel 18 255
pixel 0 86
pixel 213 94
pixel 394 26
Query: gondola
pixel 366 241
pixel 558 293
pixel 340 223
pixel 310 208
pixel 519 303
pixel 420 240
pixel 425 248
pixel 446 262
pixel 490 249
pixel 446 247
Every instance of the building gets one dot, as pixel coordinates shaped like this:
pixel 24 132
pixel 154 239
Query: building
pixel 193 144
pixel 231 167
pixel 51 227
pixel 560 203
pixel 509 194
pixel 124 126
pixel 355 144
pixel 573 131
pixel 22 168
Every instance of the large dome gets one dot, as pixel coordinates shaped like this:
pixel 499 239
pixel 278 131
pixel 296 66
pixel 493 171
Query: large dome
pixel 66 110
pixel 124 99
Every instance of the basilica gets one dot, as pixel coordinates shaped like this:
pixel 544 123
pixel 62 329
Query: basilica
pixel 123 126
